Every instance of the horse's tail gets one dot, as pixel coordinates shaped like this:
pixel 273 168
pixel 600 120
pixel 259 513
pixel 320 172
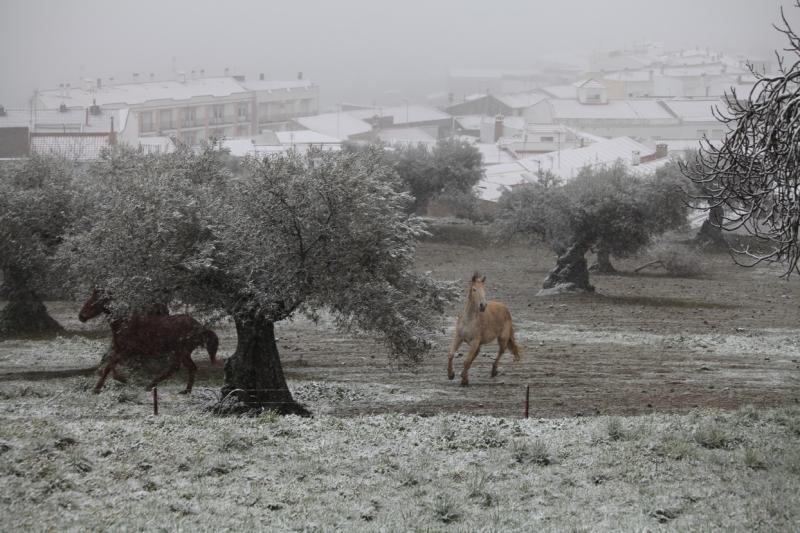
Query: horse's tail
pixel 513 346
pixel 211 342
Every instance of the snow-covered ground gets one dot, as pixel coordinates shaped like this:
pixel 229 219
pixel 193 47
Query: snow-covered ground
pixel 75 461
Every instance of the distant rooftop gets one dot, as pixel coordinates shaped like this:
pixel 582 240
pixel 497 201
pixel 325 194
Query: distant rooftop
pixel 338 125
pixel 71 120
pixel 402 114
pixel 129 94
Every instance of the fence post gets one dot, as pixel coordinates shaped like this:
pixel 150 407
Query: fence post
pixel 155 400
pixel 527 399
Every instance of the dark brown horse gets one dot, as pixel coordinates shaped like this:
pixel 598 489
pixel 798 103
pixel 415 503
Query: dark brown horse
pixel 151 336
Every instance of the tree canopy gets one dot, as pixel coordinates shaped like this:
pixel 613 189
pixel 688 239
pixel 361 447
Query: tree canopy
pixel 36 206
pixel 294 233
pixel 606 208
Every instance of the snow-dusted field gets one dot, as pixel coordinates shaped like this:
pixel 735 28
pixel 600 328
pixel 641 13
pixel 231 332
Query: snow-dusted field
pixel 74 461
pixel 711 366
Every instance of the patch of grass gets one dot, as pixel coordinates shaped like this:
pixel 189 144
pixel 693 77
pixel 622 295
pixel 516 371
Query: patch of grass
pixel 712 436
pixel 676 446
pixel 446 509
pixel 754 460
pixel 531 452
pixel 615 429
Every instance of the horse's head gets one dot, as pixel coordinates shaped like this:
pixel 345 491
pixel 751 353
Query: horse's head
pixel 477 291
pixel 96 304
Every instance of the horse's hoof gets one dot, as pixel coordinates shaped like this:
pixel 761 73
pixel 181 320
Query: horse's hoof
pixel 186 391
pixel 494 372
pixel 464 383
pixel 96 391
pixel 451 376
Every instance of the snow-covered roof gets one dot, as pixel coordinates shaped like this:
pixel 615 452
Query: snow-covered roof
pixel 521 100
pixel 271 85
pixel 694 110
pixel 566 164
pixel 403 114
pixel 561 91
pixel 493 154
pixel 339 125
pixel 614 109
pixel 589 83
pixel 406 136
pixel 630 75
pixel 71 120
pixel 305 137
pixel 138 93
pixel 499 178
pixel 242 147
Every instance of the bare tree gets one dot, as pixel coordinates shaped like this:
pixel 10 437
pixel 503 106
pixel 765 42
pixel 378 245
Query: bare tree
pixel 753 179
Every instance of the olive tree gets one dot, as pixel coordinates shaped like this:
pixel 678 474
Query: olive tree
pixel 293 234
pixel 606 209
pixel 36 206
pixel 450 169
pixel 753 178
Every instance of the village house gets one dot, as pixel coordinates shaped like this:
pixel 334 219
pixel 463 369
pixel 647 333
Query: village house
pixel 192 109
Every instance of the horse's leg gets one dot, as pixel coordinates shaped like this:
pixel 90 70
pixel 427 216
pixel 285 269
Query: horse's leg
pixel 176 364
pixel 112 361
pixel 474 349
pixel 192 368
pixel 502 344
pixel 453 347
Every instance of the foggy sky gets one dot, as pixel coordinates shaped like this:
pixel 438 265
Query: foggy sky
pixel 354 49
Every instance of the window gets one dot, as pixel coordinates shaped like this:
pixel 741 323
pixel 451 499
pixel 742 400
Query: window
pixel 165 119
pixel 243 111
pixel 218 114
pixel 189 116
pixel 702 133
pixel 546 139
pixel 146 121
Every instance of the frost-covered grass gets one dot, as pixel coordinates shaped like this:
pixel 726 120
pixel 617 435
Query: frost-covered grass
pixel 70 460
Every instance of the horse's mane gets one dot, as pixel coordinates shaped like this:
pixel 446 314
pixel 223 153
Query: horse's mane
pixel 476 275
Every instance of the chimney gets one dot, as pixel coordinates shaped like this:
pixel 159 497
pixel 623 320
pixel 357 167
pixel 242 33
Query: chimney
pixel 300 75
pixel 87 116
pixel 182 76
pixel 2 111
pixel 66 90
pixel 152 77
pixel 135 77
pixel 62 108
pixel 498 127
pixel 261 77
pixel 99 83
pixel 202 73
pixel 636 158
pixel 227 70
pixel 661 151
pixel 193 76
pixel 112 135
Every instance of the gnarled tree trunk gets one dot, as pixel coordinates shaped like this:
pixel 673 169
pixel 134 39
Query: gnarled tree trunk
pixel 710 234
pixel 25 314
pixel 571 272
pixel 253 374
pixel 603 264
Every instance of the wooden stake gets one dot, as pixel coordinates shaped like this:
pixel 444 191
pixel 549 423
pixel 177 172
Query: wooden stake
pixel 527 399
pixel 155 401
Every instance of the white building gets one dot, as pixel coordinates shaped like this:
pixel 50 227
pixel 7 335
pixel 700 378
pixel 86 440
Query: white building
pixel 192 110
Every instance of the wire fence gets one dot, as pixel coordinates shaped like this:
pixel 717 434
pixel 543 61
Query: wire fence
pixel 130 402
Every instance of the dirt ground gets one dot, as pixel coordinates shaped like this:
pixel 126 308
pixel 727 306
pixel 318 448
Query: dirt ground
pixel 643 343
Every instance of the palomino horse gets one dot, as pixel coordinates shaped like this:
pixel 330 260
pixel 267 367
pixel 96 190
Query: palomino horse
pixel 480 323
pixel 151 336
